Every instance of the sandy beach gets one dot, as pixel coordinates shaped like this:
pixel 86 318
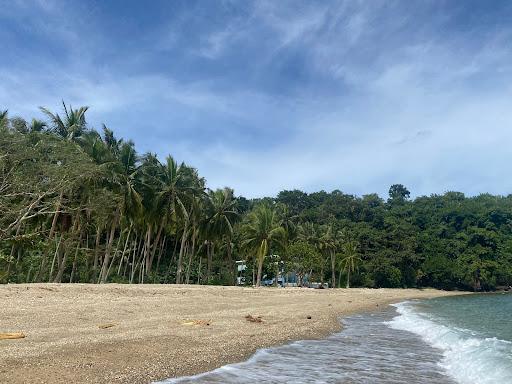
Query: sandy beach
pixel 136 334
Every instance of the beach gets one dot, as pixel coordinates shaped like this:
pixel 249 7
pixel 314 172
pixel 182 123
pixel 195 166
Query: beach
pixel 116 333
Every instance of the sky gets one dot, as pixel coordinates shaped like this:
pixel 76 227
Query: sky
pixel 264 96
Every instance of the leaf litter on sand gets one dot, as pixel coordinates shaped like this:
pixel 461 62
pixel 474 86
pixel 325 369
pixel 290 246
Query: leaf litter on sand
pixel 196 322
pixel 105 326
pixel 254 319
pixel 12 335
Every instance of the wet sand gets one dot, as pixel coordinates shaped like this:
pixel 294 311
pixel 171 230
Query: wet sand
pixel 79 333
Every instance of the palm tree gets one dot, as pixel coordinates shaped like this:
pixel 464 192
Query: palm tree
pixel 261 232
pixel 288 221
pixel 221 211
pixel 310 233
pixel 329 245
pixel 177 185
pixel 37 125
pixel 122 172
pixel 350 259
pixel 111 142
pixel 72 125
pixel 127 181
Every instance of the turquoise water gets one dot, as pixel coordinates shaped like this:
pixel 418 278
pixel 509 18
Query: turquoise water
pixel 488 315
pixel 463 339
pixel 474 334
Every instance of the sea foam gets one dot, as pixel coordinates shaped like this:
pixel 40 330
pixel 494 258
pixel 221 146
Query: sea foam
pixel 467 357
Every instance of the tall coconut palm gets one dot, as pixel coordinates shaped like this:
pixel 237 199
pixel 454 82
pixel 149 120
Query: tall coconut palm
pixel 261 232
pixel 329 246
pixel 121 177
pixel 178 184
pixel 350 259
pixel 309 233
pixel 72 125
pixel 221 215
pixel 37 125
pixel 111 142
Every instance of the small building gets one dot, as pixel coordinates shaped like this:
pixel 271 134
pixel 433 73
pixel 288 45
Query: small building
pixel 241 266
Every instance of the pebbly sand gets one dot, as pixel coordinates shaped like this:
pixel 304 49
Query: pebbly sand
pixel 79 333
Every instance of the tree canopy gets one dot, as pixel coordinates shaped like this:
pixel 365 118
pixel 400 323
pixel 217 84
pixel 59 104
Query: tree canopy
pixel 79 205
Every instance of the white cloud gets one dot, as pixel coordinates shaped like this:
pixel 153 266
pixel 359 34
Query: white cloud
pixel 431 110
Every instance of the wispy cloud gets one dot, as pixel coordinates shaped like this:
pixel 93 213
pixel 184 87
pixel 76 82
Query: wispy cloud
pixel 265 95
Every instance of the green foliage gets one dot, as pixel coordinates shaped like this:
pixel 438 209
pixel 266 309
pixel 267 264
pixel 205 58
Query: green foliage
pixel 303 258
pixel 82 206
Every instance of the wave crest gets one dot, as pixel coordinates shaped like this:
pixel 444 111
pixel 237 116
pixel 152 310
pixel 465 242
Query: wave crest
pixel 467 358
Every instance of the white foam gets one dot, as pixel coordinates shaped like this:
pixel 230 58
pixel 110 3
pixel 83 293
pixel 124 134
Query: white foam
pixel 467 358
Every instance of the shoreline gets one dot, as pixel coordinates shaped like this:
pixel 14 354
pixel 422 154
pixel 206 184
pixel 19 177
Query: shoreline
pixel 149 335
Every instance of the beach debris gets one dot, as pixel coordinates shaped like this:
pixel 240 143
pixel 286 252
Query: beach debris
pixel 105 326
pixel 196 322
pixel 12 335
pixel 254 319
pixel 308 317
pixel 48 289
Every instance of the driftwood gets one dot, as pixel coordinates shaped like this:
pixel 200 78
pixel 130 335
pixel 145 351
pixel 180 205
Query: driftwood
pixel 105 326
pixel 196 322
pixel 15 335
pixel 253 319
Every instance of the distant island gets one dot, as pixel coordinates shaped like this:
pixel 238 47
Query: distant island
pixel 82 206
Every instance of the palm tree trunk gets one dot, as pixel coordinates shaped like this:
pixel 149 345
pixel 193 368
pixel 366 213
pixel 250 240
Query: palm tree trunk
pixel 96 254
pixel 54 257
pixel 199 271
pixel 106 259
pixel 124 249
pixel 348 277
pixel 161 251
pixel 262 252
pixel 135 249
pixel 28 275
pixel 75 260
pixel 260 269
pixel 190 255
pixel 156 243
pixel 39 275
pixel 253 274
pixel 146 251
pixel 180 257
pixel 333 268
pixel 209 251
pixel 231 268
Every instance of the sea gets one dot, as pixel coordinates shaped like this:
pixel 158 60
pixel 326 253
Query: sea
pixel 458 339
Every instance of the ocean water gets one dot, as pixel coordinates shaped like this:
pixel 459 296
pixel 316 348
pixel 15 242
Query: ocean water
pixel 466 339
pixel 473 332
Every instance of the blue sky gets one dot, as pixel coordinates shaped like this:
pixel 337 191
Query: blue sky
pixel 270 95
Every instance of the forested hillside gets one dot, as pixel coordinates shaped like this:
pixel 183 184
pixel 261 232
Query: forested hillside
pixel 77 205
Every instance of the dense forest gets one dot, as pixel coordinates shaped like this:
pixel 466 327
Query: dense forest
pixel 78 205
